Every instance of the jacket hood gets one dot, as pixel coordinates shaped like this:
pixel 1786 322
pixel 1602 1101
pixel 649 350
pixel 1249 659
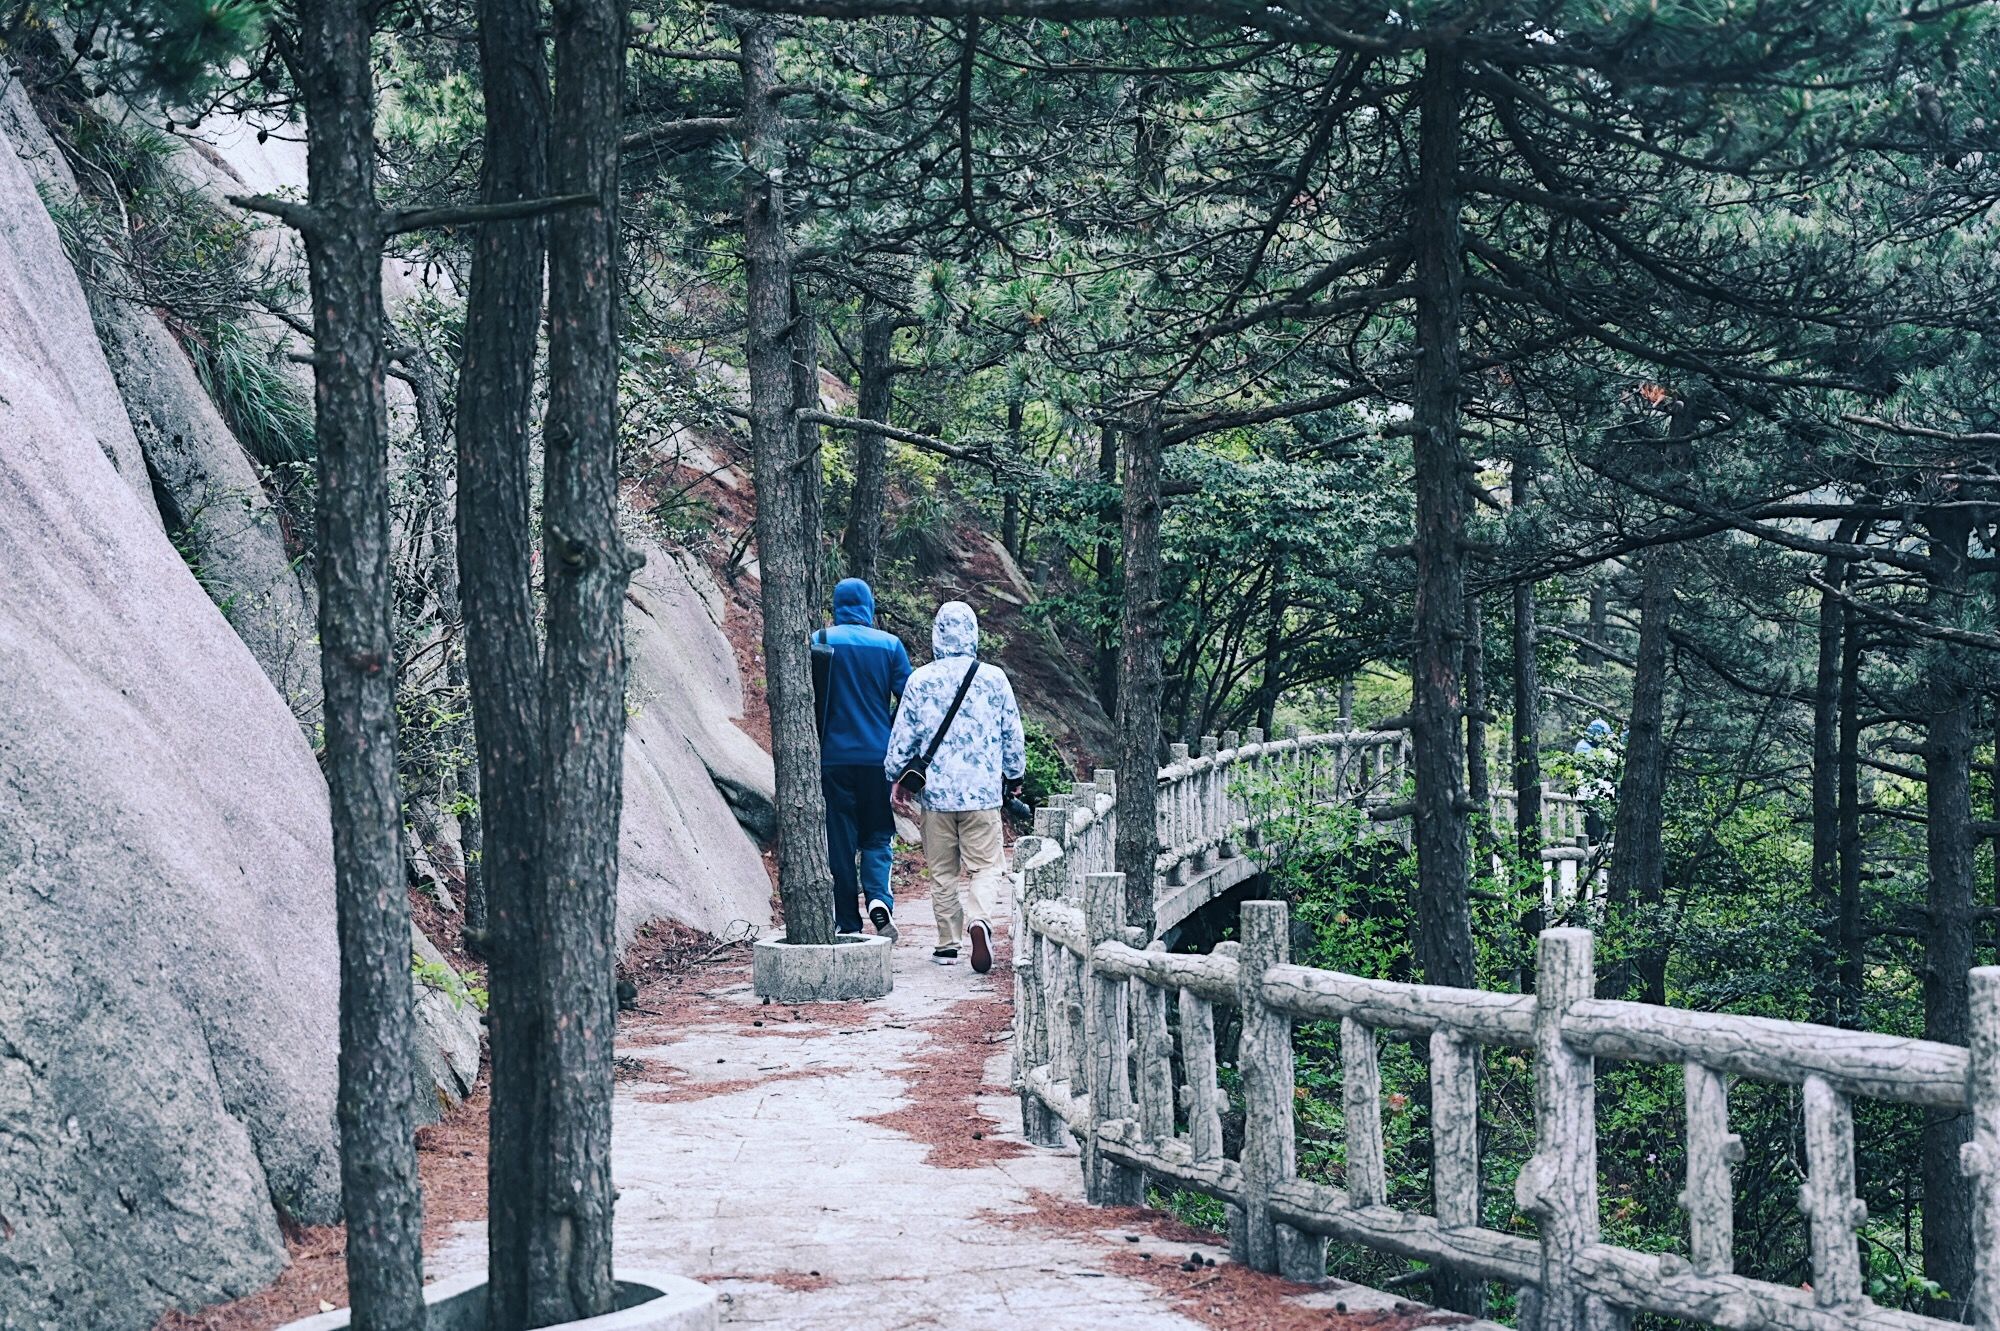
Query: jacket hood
pixel 955 631
pixel 853 602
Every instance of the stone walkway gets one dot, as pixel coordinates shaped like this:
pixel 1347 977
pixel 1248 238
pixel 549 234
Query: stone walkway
pixel 860 1166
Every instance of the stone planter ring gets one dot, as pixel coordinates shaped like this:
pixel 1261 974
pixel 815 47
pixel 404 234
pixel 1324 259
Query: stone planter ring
pixel 851 966
pixel 647 1301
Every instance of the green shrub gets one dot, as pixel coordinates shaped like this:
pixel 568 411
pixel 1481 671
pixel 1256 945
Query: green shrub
pixel 268 413
pixel 920 534
pixel 1047 772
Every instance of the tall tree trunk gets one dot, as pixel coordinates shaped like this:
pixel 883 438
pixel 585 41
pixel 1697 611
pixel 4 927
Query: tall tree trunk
pixel 1271 676
pixel 1849 932
pixel 1826 779
pixel 462 747
pixel 1948 943
pixel 784 546
pixel 1444 922
pixel 503 658
pixel 812 469
pixel 1600 598
pixel 376 1102
pixel 1010 502
pixel 1443 912
pixel 1993 796
pixel 1478 783
pixel 862 539
pixel 586 569
pixel 1638 859
pixel 1527 739
pixel 1139 674
pixel 1107 573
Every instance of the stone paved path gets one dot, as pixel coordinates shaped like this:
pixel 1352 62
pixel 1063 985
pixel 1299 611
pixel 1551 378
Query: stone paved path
pixel 860 1166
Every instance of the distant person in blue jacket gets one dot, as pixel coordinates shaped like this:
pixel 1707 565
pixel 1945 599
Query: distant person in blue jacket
pixel 865 677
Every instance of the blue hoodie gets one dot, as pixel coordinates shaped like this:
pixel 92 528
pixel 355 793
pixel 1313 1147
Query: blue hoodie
pixel 869 669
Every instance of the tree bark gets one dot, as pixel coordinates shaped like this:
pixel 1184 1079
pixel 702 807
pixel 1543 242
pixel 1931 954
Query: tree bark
pixel 812 469
pixel 1826 779
pixel 1600 598
pixel 1107 574
pixel 1948 944
pixel 1849 933
pixel 1010 501
pixel 1443 912
pixel 1139 674
pixel 586 567
pixel 460 743
pixel 1444 923
pixel 503 658
pixel 1527 740
pixel 805 885
pixel 1638 859
pixel 1271 675
pixel 1478 783
pixel 376 1101
pixel 876 400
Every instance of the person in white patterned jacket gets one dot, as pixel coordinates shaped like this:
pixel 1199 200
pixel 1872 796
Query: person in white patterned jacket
pixel 978 764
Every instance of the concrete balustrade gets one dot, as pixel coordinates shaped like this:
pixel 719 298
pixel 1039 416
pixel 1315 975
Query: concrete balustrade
pixel 1115 1047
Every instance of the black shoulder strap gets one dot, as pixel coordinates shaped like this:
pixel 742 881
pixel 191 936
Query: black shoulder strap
pixel 951 713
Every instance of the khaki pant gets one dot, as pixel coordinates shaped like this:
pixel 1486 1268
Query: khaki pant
pixel 966 857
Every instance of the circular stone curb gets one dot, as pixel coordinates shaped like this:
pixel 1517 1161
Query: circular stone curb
pixel 647 1301
pixel 852 966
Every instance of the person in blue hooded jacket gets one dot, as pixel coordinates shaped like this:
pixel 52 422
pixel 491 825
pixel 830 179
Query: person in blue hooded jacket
pixel 867 673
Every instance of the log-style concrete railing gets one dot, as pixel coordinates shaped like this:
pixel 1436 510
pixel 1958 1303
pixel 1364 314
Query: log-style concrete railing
pixel 1115 1046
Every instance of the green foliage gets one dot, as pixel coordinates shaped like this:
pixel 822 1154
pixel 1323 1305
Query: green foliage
pixel 461 987
pixel 264 407
pixel 1047 772
pixel 919 533
pixel 174 50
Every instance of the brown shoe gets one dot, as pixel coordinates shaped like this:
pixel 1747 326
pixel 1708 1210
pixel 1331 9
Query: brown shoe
pixel 980 936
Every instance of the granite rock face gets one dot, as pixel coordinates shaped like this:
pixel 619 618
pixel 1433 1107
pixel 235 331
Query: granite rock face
pixel 168 1020
pixel 693 778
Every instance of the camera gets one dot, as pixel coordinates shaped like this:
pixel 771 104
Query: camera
pixel 1019 809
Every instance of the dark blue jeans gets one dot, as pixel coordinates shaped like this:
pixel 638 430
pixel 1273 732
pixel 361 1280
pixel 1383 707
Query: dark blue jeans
pixel 859 825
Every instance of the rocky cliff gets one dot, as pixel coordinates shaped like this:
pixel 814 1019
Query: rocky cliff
pixel 168 1011
pixel 167 1024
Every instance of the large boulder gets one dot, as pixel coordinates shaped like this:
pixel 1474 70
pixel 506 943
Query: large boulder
pixel 206 489
pixel 168 1019
pixel 693 779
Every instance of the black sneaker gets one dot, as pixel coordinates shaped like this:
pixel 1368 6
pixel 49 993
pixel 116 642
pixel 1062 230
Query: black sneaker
pixel 945 956
pixel 885 924
pixel 980 935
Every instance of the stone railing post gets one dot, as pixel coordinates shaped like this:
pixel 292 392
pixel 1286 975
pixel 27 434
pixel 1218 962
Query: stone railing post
pixel 1206 785
pixel 1558 1186
pixel 1062 1009
pixel 1833 1213
pixel 1270 1152
pixel 1174 814
pixel 1980 1157
pixel 1252 773
pixel 1035 1014
pixel 1105 779
pixel 1225 799
pixel 1712 1153
pixel 1107 1039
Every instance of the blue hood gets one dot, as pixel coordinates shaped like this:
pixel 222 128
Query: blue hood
pixel 853 602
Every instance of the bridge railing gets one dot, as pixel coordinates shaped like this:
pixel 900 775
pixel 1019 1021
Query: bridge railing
pixel 1115 1046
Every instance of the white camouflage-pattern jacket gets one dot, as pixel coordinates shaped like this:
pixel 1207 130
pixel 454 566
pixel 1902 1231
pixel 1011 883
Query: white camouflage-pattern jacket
pixel 985 746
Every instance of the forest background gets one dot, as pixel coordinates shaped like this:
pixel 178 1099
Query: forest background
pixel 1488 369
